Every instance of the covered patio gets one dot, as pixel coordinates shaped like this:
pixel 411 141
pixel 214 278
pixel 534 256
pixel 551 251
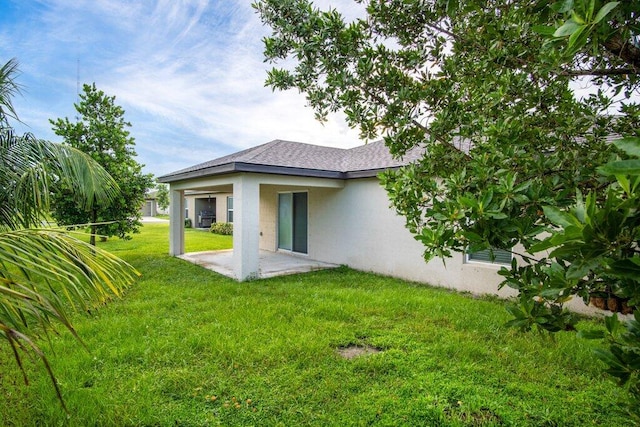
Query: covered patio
pixel 256 252
pixel 257 249
pixel 270 264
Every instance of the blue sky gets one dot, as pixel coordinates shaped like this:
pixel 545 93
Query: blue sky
pixel 189 74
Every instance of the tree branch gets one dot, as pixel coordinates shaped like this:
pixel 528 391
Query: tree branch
pixel 623 49
pixel 425 129
pixel 600 72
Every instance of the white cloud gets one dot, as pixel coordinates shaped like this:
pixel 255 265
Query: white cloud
pixel 190 75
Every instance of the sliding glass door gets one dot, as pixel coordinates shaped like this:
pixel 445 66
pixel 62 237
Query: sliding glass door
pixel 292 221
pixel 285 221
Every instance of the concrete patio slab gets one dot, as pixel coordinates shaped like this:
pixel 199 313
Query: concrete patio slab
pixel 271 264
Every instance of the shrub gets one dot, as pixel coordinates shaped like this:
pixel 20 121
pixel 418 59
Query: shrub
pixel 187 223
pixel 225 228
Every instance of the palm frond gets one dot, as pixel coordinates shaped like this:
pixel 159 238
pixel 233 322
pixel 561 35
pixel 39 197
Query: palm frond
pixel 92 183
pixel 31 166
pixel 43 274
pixel 8 89
pixel 55 263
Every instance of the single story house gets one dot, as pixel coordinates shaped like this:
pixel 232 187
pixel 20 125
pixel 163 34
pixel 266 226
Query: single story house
pixel 150 206
pixel 323 203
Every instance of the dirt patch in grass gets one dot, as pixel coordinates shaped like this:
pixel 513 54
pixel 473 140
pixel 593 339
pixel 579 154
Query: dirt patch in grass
pixel 353 350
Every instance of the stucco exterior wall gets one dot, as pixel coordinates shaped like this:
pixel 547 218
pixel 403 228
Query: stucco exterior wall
pixel 221 206
pixel 268 217
pixel 356 226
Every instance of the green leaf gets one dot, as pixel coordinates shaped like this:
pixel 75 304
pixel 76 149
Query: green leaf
pixel 567 29
pixel 630 145
pixel 613 324
pixel 624 183
pixel 581 268
pixel 522 324
pixel 577 18
pixel 577 38
pixel 542 245
pixel 488 197
pixel 562 6
pixel 605 11
pixel 592 7
pixel 559 217
pixel 591 335
pixel 468 202
pixel 544 30
pixel 616 368
pixel 621 167
pixel 497 215
pixel 472 236
pixel 515 311
pixel 550 293
pixel 627 268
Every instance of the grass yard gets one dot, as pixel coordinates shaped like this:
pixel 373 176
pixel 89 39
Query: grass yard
pixel 188 347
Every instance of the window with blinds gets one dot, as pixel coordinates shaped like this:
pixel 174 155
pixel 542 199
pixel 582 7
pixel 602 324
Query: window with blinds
pixel 500 256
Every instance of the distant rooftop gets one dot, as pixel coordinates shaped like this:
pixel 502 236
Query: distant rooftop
pixel 296 158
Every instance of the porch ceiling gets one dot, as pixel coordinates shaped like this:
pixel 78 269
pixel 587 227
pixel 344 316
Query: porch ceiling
pixel 210 189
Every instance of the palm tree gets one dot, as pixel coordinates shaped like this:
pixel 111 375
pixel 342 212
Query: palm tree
pixel 46 272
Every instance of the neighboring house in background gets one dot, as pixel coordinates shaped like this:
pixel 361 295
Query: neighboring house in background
pixel 150 206
pixel 323 203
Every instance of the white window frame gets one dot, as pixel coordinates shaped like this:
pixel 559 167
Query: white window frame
pixel 230 209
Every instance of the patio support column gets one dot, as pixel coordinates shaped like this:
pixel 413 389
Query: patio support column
pixel 246 227
pixel 176 222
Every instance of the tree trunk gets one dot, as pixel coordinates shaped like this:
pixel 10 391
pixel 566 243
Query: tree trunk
pixel 94 227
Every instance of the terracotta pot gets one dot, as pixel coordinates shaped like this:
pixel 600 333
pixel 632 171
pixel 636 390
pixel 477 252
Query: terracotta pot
pixel 598 302
pixel 625 308
pixel 613 304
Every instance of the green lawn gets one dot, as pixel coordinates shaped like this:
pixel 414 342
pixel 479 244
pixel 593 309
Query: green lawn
pixel 188 347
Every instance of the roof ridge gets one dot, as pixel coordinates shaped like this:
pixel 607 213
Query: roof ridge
pixel 259 149
pixel 256 151
pixel 351 153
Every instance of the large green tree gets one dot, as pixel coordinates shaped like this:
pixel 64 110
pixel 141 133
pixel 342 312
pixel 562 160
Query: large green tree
pixel 514 104
pixel 44 272
pixel 101 132
pixel 162 195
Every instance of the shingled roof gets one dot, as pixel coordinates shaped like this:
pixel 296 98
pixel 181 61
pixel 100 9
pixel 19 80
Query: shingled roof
pixel 296 158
